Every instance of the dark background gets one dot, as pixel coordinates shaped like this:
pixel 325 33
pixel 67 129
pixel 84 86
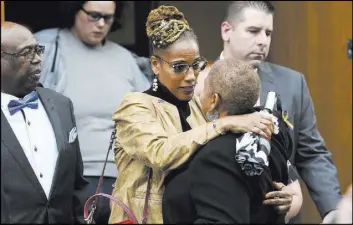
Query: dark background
pixel 39 15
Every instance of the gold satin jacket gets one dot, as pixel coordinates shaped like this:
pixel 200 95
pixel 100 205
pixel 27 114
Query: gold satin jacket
pixel 149 135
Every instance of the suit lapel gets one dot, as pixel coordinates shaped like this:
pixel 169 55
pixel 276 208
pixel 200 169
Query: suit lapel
pixel 9 139
pixel 267 81
pixel 49 107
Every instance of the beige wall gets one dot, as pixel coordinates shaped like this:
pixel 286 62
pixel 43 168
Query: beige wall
pixel 205 17
pixel 2 11
pixel 311 37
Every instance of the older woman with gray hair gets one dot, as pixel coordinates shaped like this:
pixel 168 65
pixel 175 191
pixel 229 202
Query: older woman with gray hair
pixel 214 186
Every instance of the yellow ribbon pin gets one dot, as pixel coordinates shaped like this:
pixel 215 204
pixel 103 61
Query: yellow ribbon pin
pixel 285 118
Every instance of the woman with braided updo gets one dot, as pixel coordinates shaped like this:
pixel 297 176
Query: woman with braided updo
pixel 158 130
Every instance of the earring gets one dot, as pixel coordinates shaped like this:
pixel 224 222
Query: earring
pixel 155 84
pixel 213 117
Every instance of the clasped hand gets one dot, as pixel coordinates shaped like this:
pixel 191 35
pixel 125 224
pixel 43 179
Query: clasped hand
pixel 281 199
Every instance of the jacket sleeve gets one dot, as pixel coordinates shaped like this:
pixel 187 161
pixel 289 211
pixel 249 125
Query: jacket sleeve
pixel 80 194
pixel 141 135
pixel 49 75
pixel 218 189
pixel 313 160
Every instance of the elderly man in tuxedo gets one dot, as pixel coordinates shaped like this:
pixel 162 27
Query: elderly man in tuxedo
pixel 41 165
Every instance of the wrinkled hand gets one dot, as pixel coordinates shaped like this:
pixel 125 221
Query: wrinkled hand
pixel 281 199
pixel 257 122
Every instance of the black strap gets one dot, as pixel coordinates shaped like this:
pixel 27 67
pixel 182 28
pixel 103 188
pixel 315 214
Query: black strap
pixel 56 51
pixel 145 207
pixel 112 137
pixel 279 103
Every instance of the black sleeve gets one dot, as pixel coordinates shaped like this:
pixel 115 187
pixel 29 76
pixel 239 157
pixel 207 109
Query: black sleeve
pixel 292 174
pixel 284 143
pixel 80 194
pixel 218 189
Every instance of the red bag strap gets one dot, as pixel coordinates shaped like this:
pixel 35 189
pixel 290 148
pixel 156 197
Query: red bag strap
pixel 115 200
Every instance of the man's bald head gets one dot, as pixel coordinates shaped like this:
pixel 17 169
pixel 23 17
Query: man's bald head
pixel 11 31
pixel 20 59
pixel 9 25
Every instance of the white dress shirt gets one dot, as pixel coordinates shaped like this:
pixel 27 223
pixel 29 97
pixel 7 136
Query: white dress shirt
pixel 35 133
pixel 258 100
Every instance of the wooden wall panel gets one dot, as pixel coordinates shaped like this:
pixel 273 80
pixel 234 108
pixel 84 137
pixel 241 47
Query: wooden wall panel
pixel 311 37
pixel 2 11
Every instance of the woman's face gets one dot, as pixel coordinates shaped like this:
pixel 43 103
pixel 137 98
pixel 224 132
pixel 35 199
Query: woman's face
pixel 178 66
pixel 93 21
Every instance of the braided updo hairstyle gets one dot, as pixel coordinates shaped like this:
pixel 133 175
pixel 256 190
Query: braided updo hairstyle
pixel 166 25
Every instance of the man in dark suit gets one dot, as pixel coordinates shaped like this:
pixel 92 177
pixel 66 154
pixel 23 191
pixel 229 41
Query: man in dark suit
pixel 246 34
pixel 41 165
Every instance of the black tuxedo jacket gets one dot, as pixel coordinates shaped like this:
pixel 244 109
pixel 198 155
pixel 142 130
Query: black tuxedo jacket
pixel 22 198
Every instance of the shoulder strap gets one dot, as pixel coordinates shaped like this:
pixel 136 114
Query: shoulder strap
pixel 56 51
pixel 112 138
pixel 279 103
pixel 145 207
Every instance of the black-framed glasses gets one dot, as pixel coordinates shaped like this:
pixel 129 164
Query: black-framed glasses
pixel 28 52
pixel 183 67
pixel 96 16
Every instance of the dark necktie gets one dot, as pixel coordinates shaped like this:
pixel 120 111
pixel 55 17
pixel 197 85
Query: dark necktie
pixel 30 101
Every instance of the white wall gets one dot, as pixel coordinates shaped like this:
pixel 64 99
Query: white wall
pixel 205 17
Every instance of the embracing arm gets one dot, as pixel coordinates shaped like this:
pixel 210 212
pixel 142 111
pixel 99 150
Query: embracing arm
pixel 297 199
pixel 142 136
pixel 314 161
pixel 294 188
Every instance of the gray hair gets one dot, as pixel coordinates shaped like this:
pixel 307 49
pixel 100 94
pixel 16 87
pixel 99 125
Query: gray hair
pixel 237 84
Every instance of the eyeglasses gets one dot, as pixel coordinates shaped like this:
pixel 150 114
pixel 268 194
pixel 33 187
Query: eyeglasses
pixel 28 52
pixel 183 67
pixel 96 16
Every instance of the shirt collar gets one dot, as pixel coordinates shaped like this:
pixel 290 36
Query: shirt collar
pixel 221 56
pixel 6 98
